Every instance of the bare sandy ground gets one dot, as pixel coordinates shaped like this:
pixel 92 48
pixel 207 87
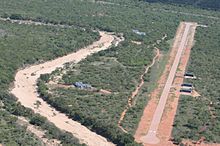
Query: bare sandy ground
pixel 25 90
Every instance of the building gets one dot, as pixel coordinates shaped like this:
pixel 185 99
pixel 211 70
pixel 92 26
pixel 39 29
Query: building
pixel 189 75
pixel 186 90
pixel 138 32
pixel 82 85
pixel 187 86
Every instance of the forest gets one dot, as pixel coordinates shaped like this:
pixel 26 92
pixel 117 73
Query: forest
pixel 117 69
pixel 205 4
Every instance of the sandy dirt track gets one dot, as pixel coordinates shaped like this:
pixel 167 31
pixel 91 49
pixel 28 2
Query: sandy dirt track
pixel 25 90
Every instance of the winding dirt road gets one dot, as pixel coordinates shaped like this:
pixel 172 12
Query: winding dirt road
pixel 25 90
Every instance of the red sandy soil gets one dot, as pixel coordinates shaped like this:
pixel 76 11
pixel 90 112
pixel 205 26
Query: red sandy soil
pixel 152 104
pixel 165 128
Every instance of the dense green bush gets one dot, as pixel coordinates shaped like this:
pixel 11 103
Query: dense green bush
pixel 206 4
pixel 26 44
pixel 200 117
pixel 12 133
pixel 37 120
pixel 12 128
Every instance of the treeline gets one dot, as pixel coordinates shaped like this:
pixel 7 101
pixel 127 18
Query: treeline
pixel 17 16
pixel 90 15
pixel 206 4
pixel 132 118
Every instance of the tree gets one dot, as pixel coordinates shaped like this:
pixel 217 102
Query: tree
pixel 37 120
pixel 16 16
pixel 45 77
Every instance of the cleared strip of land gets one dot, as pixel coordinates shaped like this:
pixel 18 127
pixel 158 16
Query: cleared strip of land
pixel 25 90
pixel 180 45
pixel 151 136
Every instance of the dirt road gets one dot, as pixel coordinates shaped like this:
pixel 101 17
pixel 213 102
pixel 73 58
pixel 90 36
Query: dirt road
pixel 25 90
pixel 151 136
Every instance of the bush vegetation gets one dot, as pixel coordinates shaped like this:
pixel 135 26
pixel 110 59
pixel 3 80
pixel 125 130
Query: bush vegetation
pixel 110 70
pixel 200 117
pixel 117 70
pixel 15 134
pixel 12 133
pixel 206 4
pixel 21 45
pixel 120 67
